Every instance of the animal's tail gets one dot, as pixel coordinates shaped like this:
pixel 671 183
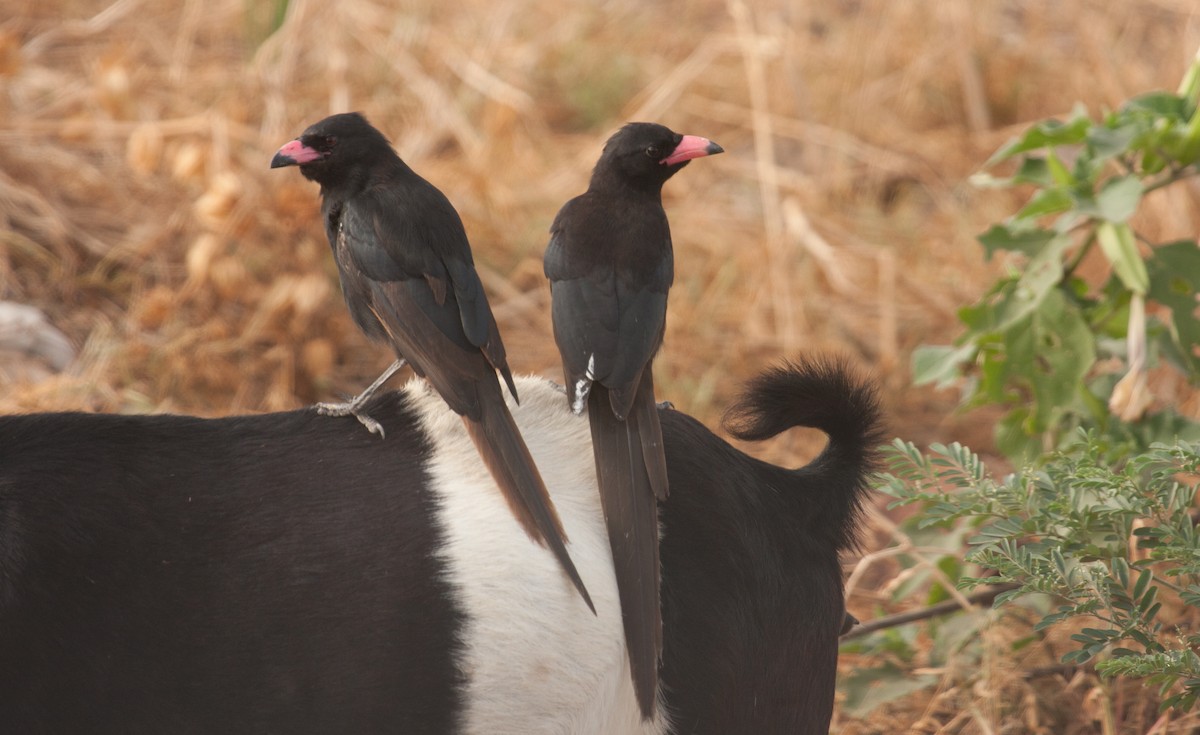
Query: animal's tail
pixel 825 394
pixel 499 443
pixel 625 461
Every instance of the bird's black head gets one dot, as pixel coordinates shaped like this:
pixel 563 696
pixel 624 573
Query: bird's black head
pixel 335 149
pixel 645 155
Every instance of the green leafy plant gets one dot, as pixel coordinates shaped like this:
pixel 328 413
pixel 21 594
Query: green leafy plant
pixel 1096 535
pixel 1115 543
pixel 1032 343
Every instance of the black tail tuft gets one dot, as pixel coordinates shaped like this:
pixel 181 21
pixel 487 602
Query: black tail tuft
pixel 826 394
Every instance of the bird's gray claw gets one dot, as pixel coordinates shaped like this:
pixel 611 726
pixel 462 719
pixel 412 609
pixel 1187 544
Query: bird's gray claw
pixel 372 425
pixel 350 409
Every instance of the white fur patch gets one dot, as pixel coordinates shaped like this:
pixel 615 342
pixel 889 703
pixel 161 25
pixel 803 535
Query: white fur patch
pixel 536 659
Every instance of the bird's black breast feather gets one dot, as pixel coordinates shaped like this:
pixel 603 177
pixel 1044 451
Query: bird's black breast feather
pixel 599 311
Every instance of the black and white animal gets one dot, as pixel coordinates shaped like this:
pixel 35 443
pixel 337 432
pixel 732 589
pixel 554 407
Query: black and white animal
pixel 290 573
pixel 409 279
pixel 610 266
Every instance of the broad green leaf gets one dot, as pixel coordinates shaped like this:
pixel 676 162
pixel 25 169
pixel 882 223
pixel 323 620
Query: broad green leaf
pixel 1068 222
pixel 941 364
pixel 1033 170
pixel 1043 273
pixel 1107 142
pixel 1118 244
pixel 1118 199
pixel 1017 237
pixel 1047 201
pixel 1058 170
pixel 1087 170
pixel 980 316
pixel 1046 134
pixel 1065 351
pixel 1012 300
pixel 993 384
pixel 1162 104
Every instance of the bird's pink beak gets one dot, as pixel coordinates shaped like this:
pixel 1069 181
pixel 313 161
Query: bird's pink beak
pixel 294 153
pixel 692 146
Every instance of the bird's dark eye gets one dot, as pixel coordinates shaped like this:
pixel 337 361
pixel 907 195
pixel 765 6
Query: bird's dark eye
pixel 654 152
pixel 320 142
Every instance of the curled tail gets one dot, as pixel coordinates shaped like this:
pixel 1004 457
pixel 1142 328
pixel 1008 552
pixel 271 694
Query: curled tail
pixel 825 394
pixel 506 456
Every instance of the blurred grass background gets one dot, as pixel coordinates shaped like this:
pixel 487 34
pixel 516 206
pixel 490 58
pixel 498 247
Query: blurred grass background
pixel 140 216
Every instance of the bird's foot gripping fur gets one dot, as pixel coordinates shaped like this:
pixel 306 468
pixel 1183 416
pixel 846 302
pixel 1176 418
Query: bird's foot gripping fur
pixel 354 407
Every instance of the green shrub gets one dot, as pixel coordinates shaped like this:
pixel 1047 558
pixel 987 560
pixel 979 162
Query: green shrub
pixel 1096 533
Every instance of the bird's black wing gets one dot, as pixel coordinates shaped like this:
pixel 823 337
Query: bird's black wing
pixel 409 298
pixel 585 325
pixel 407 239
pixel 583 307
pixel 420 228
pixel 643 316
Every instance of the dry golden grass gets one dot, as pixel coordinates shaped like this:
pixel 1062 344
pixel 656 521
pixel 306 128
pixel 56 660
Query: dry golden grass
pixel 139 213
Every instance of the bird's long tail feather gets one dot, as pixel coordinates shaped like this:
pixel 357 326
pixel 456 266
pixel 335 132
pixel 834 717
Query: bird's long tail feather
pixel 629 497
pixel 645 412
pixel 506 456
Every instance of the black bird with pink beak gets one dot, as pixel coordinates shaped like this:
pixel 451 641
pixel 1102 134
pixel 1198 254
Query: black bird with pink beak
pixel 409 279
pixel 610 266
